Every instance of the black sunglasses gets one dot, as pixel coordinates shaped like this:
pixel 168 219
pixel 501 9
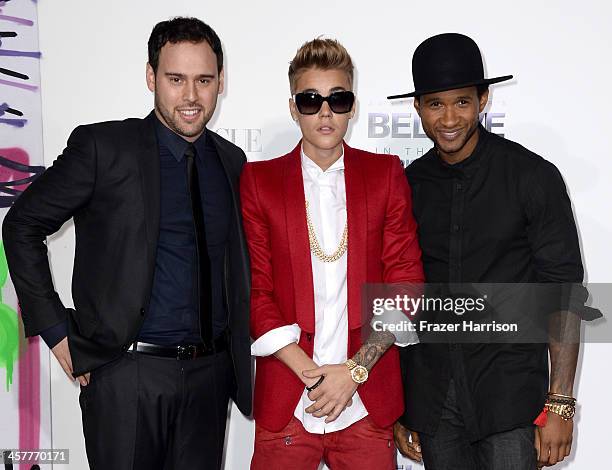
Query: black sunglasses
pixel 340 102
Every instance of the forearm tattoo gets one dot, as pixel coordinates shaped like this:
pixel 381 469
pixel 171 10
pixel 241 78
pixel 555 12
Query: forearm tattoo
pixel 371 351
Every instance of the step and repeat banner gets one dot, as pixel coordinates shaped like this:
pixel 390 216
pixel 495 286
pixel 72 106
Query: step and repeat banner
pixel 69 62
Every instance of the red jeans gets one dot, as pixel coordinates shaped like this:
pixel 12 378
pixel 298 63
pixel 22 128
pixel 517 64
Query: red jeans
pixel 362 445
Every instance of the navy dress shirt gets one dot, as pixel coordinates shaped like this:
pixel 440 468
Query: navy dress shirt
pixel 172 317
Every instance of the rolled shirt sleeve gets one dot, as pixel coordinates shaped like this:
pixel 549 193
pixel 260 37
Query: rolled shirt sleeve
pixel 276 339
pixel 553 237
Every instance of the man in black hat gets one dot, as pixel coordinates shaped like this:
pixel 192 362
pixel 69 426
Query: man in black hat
pixel 488 211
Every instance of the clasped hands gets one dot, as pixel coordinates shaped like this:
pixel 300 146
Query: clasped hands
pixel 334 394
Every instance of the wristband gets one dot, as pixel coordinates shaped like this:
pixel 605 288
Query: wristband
pixel 542 418
pixel 316 384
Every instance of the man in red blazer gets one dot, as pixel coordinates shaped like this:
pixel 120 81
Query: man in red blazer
pixel 321 222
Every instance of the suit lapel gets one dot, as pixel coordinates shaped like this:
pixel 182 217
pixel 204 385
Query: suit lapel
pixel 357 219
pixel 297 235
pixel 234 284
pixel 148 154
pixel 230 171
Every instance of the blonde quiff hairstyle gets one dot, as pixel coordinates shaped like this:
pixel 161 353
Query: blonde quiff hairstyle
pixel 320 53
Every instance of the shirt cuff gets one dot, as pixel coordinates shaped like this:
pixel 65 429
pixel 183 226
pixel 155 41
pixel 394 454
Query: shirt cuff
pixel 276 339
pixel 574 297
pixel 53 335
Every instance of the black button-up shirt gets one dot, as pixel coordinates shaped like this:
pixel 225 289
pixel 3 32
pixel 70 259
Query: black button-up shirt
pixel 501 215
pixel 172 317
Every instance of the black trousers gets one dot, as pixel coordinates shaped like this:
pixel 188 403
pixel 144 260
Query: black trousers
pixel 144 412
pixel 450 449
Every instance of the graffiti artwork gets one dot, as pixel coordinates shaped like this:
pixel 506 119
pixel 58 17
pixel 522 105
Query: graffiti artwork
pixel 20 147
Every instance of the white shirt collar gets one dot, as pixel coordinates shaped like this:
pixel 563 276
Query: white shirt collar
pixel 311 166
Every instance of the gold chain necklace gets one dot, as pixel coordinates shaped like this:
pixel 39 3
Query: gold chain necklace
pixel 315 247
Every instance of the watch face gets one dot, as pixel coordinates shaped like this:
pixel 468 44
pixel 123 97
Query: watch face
pixel 568 412
pixel 360 374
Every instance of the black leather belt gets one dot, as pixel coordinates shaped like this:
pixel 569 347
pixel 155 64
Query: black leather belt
pixel 183 352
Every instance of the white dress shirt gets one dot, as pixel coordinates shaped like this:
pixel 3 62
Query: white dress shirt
pixel 326 195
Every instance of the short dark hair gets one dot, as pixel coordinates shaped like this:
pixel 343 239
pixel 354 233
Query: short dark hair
pixel 181 29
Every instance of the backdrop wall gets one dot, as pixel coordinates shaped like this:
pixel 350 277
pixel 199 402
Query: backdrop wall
pixel 92 69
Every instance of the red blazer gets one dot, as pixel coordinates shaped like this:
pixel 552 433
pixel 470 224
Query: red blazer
pixel 382 247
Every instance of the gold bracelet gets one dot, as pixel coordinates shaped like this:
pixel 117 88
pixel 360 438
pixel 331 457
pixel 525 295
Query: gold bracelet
pixel 566 411
pixel 561 401
pixel 560 395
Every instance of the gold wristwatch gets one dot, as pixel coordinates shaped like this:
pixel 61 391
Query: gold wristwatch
pixel 566 410
pixel 359 374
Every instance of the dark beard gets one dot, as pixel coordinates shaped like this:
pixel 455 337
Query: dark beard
pixel 172 124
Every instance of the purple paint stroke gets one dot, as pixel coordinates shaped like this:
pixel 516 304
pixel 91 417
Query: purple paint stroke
pixel 17 20
pixel 10 53
pixel 3 108
pixel 19 85
pixel 14 122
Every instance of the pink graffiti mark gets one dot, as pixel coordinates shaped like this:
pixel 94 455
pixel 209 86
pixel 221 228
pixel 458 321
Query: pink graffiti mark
pixel 29 396
pixel 14 177
pixel 15 174
pixel 17 155
pixel 15 19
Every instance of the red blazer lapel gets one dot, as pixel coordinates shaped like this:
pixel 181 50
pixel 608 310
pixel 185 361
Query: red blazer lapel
pixel 357 219
pixel 297 235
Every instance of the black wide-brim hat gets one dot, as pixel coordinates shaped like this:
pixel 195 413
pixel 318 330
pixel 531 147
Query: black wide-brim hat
pixel 446 62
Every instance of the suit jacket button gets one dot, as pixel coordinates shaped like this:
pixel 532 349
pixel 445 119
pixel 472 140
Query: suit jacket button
pixel 308 336
pixel 142 311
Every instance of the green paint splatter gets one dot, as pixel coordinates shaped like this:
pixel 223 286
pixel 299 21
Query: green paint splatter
pixel 9 326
